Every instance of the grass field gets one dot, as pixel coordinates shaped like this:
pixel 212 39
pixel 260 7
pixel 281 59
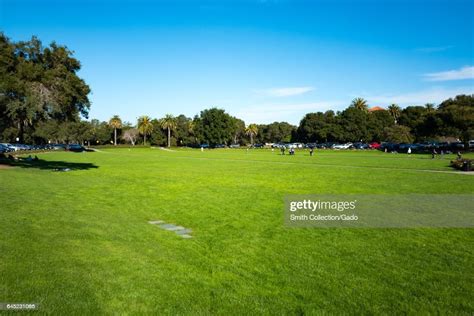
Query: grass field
pixel 79 242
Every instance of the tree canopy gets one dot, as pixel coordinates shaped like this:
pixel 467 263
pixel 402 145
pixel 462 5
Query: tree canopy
pixel 38 84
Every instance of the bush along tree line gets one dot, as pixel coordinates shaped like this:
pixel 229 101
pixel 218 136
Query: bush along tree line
pixel 42 99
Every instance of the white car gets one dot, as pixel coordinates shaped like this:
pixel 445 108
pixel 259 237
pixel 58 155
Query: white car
pixel 342 146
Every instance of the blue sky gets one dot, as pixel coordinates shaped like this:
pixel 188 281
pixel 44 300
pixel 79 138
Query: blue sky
pixel 262 61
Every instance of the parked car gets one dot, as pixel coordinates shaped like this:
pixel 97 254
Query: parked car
pixel 257 146
pixel 390 147
pixel 219 146
pixel 57 147
pixel 325 145
pixel 342 146
pixel 375 145
pixel 204 146
pixel 7 147
pixel 234 146
pixel 361 146
pixel 75 148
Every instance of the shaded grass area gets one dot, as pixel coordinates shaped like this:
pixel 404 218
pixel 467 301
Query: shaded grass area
pixel 79 242
pixel 35 162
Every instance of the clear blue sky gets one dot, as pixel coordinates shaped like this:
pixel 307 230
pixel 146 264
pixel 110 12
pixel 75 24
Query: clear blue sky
pixel 260 60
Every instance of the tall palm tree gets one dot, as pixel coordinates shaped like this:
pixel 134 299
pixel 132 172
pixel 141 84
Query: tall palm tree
pixel 169 122
pixel 360 104
pixel 251 130
pixel 115 122
pixel 394 111
pixel 145 127
pixel 430 108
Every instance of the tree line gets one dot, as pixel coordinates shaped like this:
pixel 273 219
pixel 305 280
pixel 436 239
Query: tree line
pixel 42 99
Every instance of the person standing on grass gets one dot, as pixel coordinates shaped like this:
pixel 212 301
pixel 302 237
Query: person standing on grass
pixel 409 150
pixel 433 154
pixel 441 154
pixel 282 149
pixel 311 150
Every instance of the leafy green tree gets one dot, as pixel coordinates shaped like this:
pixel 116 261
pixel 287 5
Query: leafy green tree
pixel 214 126
pixel 320 127
pixel 116 123
pixel 251 131
pixel 275 132
pixel 398 134
pixel 169 122
pixel 39 83
pixel 238 129
pixel 458 116
pixel 100 132
pixel 413 117
pixel 354 124
pixel 145 126
pixel 377 121
pixel 184 130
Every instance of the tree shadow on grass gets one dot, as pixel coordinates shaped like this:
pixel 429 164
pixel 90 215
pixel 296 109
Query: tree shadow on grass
pixel 45 164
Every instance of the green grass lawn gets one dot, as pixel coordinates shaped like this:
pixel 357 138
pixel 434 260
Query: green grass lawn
pixel 79 242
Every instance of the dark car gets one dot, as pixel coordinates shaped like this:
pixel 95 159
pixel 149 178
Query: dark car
pixel 204 146
pixel 75 148
pixel 56 147
pixel 219 146
pixel 390 147
pixel 360 145
pixel 4 148
pixel 258 146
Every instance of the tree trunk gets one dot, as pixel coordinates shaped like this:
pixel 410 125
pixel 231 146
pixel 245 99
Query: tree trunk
pixel 115 137
pixel 144 139
pixel 169 137
pixel 251 139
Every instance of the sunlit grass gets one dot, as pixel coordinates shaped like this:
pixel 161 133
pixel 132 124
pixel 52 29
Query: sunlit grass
pixel 80 242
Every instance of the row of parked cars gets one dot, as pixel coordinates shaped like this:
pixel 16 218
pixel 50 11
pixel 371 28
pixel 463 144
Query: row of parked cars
pixel 7 147
pixel 324 145
pixel 418 147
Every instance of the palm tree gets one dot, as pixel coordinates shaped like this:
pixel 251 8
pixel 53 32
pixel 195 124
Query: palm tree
pixel 169 123
pixel 430 108
pixel 360 104
pixel 191 129
pixel 251 130
pixel 394 111
pixel 145 127
pixel 115 122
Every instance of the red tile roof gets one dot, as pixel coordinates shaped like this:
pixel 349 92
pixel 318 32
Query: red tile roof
pixel 376 108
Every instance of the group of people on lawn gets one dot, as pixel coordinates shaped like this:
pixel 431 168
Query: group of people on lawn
pixel 292 151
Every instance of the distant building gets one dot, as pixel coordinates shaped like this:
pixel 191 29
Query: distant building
pixel 376 108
